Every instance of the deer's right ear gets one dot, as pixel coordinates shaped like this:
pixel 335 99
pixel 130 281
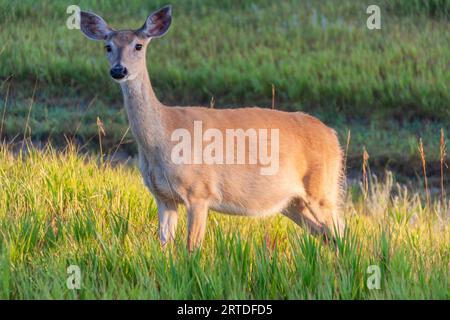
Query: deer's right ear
pixel 93 26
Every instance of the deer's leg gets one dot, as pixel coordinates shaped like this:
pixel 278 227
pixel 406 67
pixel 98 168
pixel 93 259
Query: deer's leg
pixel 197 216
pixel 322 196
pixel 168 219
pixel 318 219
pixel 327 214
pixel 300 214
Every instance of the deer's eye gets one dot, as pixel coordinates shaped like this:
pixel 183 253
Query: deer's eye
pixel 108 48
pixel 138 47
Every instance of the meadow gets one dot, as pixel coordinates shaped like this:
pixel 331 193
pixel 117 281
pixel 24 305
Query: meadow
pixel 63 201
pixel 61 209
pixel 389 86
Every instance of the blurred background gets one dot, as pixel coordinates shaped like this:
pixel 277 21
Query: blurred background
pixel 382 90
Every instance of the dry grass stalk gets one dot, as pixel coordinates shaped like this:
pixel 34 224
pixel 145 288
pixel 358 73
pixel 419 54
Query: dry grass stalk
pixel 120 143
pixel 424 169
pixel 101 131
pixel 90 104
pixel 442 149
pixel 4 109
pixel 27 128
pixel 365 172
pixel 347 146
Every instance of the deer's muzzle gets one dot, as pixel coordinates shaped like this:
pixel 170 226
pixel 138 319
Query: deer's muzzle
pixel 118 72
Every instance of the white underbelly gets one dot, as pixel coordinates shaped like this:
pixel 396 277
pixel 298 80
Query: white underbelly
pixel 251 210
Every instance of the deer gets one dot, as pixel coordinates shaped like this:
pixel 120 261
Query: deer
pixel 306 186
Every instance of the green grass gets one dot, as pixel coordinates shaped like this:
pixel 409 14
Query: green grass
pixel 61 209
pixel 389 87
pixel 319 54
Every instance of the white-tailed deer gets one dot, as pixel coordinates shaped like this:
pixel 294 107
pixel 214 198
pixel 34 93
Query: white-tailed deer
pixel 304 183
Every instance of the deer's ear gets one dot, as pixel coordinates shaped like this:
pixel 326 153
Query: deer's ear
pixel 93 26
pixel 157 23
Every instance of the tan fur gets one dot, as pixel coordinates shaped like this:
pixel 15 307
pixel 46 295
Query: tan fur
pixel 305 188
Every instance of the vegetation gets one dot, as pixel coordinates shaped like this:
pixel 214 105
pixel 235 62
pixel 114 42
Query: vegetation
pixel 381 89
pixel 319 55
pixel 61 209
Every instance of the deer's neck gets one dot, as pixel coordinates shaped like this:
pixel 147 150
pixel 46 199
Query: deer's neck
pixel 143 110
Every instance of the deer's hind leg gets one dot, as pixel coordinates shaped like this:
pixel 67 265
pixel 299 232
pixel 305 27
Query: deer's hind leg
pixel 326 214
pixel 322 194
pixel 300 214
pixel 316 217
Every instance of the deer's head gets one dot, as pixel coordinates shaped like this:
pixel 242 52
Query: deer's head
pixel 126 48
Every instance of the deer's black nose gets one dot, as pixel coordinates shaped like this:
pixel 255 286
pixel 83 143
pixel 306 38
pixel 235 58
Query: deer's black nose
pixel 118 72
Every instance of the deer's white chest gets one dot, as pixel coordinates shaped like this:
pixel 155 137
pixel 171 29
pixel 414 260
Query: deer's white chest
pixel 156 178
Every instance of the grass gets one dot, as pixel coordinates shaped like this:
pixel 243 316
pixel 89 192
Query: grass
pixel 319 54
pixel 61 208
pixel 389 88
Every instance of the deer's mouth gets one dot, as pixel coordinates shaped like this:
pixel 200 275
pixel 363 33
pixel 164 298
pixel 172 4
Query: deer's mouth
pixel 128 77
pixel 120 80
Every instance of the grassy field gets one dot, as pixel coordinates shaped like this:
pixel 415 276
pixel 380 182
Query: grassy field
pixel 61 209
pixel 382 90
pixel 389 86
pixel 319 54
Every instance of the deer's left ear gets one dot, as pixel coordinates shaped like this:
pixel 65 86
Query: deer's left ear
pixel 157 23
pixel 93 26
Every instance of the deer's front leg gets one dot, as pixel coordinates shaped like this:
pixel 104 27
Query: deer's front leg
pixel 168 219
pixel 197 216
